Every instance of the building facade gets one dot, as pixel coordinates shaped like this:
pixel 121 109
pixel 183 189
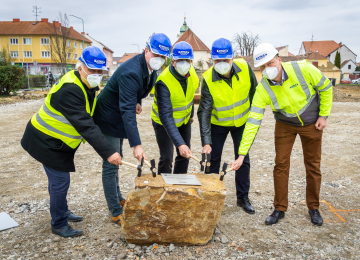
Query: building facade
pixel 30 45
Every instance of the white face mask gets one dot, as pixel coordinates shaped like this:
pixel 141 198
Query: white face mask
pixel 93 79
pixel 222 67
pixel 270 72
pixel 156 62
pixel 183 67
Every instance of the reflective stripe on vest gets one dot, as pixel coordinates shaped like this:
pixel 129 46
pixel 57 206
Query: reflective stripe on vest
pixel 181 104
pixel 51 122
pixel 231 104
pixel 304 86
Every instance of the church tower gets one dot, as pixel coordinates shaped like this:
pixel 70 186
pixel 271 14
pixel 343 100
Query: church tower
pixel 183 28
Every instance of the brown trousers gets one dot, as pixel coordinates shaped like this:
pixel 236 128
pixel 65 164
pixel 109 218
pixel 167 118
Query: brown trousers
pixel 285 135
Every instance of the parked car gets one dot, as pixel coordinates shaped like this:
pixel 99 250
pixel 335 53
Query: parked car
pixel 356 81
pixel 346 81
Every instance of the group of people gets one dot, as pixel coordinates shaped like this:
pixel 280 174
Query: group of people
pixel 231 101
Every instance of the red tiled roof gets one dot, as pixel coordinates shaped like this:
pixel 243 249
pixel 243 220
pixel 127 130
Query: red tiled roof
pixel 323 47
pixel 279 48
pixel 190 37
pixel 290 54
pixel 344 62
pixel 35 28
pixel 127 56
pixel 314 56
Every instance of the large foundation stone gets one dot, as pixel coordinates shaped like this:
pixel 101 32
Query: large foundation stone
pixel 156 212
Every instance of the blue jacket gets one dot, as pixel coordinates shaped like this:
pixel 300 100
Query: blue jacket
pixel 116 104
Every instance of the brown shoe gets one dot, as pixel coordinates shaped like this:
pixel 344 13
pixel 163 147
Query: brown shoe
pixel 117 219
pixel 122 203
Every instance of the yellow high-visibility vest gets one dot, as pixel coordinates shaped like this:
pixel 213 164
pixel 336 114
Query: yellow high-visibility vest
pixel 291 98
pixel 51 122
pixel 181 104
pixel 231 104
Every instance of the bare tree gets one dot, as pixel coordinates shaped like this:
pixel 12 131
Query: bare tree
pixel 245 43
pixel 200 64
pixel 5 57
pixel 60 50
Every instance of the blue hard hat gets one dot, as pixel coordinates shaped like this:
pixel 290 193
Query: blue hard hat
pixel 182 50
pixel 160 44
pixel 93 58
pixel 222 49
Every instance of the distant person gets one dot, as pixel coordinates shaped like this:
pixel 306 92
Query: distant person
pixel 55 133
pixel 117 106
pixel 300 96
pixel 173 109
pixel 51 79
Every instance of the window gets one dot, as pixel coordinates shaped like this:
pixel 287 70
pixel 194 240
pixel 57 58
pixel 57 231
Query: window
pixel 27 54
pixel 45 41
pixel 45 54
pixel 68 43
pixel 13 41
pixel 27 41
pixel 349 67
pixel 14 54
pixel 75 56
pixel 69 56
pixel 75 44
pixel 81 46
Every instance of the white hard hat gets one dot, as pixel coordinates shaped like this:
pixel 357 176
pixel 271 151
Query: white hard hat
pixel 264 53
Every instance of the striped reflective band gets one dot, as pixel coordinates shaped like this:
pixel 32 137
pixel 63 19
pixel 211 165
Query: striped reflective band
pixel 236 104
pixel 50 128
pixel 231 118
pixel 301 78
pixel 253 121
pixel 321 82
pixel 55 116
pixel 179 120
pixel 180 108
pixel 257 110
pixel 275 102
pixel 326 88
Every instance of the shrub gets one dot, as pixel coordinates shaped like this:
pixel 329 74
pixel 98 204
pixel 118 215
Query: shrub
pixel 11 79
pixel 36 81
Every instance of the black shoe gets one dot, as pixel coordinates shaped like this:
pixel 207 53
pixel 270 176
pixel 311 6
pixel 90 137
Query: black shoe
pixel 316 218
pixel 66 231
pixel 246 205
pixel 72 217
pixel 274 217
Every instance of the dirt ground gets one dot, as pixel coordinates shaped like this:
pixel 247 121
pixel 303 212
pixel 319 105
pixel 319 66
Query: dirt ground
pixel 23 194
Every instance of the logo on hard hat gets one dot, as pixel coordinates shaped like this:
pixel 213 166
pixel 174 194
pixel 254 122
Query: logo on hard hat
pixel 164 48
pixel 222 51
pixel 261 56
pixel 99 61
pixel 183 52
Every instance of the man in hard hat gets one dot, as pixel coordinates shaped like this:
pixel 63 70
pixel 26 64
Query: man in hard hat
pixel 116 110
pixel 55 132
pixel 173 109
pixel 226 95
pixel 301 98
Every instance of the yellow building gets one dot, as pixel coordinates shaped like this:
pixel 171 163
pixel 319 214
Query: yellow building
pixel 31 42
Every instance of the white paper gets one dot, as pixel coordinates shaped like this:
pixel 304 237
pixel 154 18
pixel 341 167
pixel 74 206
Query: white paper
pixel 6 221
pixel 180 179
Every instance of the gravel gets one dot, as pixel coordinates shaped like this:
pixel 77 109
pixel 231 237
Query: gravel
pixel 24 195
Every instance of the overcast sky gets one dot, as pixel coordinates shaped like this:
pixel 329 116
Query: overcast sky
pixel 119 24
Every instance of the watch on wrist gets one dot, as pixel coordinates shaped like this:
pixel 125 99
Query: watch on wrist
pixel 325 117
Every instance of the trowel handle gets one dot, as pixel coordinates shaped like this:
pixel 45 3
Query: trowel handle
pixel 129 164
pixel 147 163
pixel 196 159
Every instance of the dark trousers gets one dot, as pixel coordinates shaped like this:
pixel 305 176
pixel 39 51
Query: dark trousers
pixel 166 147
pixel 58 186
pixel 311 138
pixel 110 179
pixel 218 137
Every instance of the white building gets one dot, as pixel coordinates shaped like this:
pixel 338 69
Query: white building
pixel 348 67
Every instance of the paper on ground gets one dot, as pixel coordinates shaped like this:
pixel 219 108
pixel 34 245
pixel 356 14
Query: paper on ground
pixel 6 221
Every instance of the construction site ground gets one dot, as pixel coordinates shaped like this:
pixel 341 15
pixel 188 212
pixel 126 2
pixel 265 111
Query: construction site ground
pixel 24 195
